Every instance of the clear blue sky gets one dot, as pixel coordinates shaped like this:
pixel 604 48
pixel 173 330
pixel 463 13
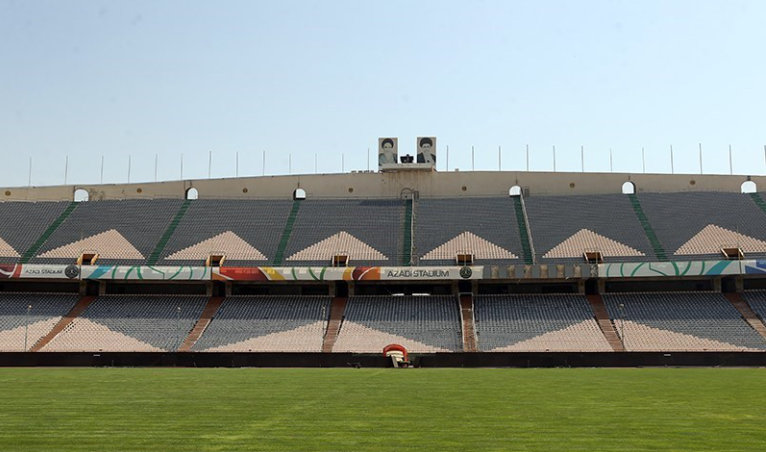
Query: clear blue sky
pixel 143 78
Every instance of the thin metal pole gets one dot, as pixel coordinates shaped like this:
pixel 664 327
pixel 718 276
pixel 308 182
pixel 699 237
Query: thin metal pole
pixel 582 158
pixel 731 165
pixel 236 164
pixel 66 169
pixel 210 164
pixel 129 165
pixel 499 159
pixel 554 159
pixel 102 170
pixel 26 327
pixel 473 161
pixel 672 164
pixel 263 165
pixel 30 172
pixel 701 170
pixel 368 159
pixel 156 162
pixel 643 160
pixel 527 158
pixel 611 167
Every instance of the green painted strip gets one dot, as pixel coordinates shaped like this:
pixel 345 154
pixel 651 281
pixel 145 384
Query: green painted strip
pixel 32 251
pixel 758 201
pixel 688 266
pixel 292 272
pixel 521 223
pixel 638 267
pixel 311 272
pixel 280 254
pixel 659 251
pixel 160 247
pixel 406 259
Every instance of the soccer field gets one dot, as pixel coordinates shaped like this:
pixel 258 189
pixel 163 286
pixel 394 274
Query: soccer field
pixel 382 409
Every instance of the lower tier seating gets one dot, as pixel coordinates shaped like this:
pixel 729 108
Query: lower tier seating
pixel 136 323
pixel 537 323
pixel 267 324
pixel 25 318
pixel 680 321
pixel 421 324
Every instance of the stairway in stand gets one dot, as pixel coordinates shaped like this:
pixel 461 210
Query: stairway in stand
pixel 469 326
pixel 747 313
pixel 204 320
pixel 605 322
pixel 337 311
pixel 73 313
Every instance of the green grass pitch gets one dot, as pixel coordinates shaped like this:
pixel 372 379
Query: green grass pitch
pixel 382 410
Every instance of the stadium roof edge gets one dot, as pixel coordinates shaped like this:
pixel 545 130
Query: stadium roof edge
pixel 393 185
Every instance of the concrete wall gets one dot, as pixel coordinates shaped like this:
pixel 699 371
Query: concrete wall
pixel 392 184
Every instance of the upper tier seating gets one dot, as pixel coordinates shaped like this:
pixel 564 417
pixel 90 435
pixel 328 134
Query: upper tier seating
pixel 267 324
pixel 537 323
pixel 421 324
pixel 22 224
pixel 680 321
pixel 131 323
pixel 368 231
pixel 18 320
pixel 485 227
pixel 697 225
pixel 564 227
pixel 119 231
pixel 246 231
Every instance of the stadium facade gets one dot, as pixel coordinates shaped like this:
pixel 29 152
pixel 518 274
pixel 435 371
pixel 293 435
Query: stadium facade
pixel 460 268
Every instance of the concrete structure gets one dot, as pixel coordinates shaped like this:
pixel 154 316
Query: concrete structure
pixel 393 184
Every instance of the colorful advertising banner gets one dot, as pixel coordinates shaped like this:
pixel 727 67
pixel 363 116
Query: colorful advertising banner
pixel 137 273
pixel 672 269
pixel 347 273
pixel 38 271
pixel 756 267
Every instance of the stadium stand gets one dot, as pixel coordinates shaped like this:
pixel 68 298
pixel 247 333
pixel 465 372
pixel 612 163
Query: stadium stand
pixel 419 323
pixel 605 223
pixel 131 323
pixel 537 323
pixel 680 321
pixel 369 231
pixel 693 226
pixel 23 223
pixel 485 227
pixel 757 301
pixel 267 324
pixel 119 231
pixel 27 317
pixel 246 231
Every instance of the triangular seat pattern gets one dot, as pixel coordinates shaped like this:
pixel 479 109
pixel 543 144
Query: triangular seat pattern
pixel 712 238
pixel 469 242
pixel 227 243
pixel 84 335
pixel 355 337
pixel 640 337
pixel 583 336
pixel 7 250
pixel 307 338
pixel 108 244
pixel 587 240
pixel 342 242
